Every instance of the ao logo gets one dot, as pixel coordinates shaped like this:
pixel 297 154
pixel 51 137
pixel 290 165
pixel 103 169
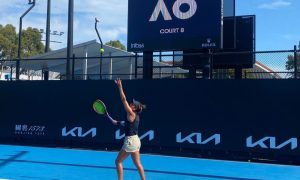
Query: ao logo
pixel 162 8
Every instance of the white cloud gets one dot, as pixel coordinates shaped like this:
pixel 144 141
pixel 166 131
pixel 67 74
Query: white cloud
pixel 275 4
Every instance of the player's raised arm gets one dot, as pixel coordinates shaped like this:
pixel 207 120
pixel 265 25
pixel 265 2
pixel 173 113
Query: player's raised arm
pixel 123 99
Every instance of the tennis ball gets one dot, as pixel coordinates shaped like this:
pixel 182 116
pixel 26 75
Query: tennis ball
pixel 101 50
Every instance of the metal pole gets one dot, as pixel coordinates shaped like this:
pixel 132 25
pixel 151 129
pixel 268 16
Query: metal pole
pixel 47 48
pixel 11 72
pixel 110 66
pixel 20 40
pixel 85 64
pixel 211 65
pixel 173 56
pixel 160 60
pixel 295 63
pixel 130 70
pixel 238 72
pixel 70 38
pixel 100 66
pixel 101 52
pixel 136 64
pixel 207 67
pixel 96 22
pixel 73 67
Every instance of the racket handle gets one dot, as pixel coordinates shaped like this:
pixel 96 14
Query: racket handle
pixel 122 123
pixel 110 118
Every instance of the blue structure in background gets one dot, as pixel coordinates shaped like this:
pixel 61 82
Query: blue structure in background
pixel 218 119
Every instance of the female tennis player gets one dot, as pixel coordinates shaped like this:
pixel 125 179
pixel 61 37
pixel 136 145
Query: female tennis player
pixel 132 142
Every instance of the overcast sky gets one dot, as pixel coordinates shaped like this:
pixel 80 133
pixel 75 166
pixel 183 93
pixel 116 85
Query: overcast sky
pixel 278 26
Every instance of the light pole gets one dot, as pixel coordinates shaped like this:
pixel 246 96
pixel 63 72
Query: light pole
pixel 32 3
pixel 47 47
pixel 101 50
pixel 70 39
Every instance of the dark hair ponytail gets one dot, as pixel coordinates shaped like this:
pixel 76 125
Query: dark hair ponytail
pixel 140 108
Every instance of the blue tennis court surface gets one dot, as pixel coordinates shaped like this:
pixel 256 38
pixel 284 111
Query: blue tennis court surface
pixel 22 163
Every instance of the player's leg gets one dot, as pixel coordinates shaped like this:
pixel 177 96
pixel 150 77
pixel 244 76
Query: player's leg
pixel 119 160
pixel 137 162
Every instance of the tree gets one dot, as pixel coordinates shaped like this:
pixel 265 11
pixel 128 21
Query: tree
pixel 8 42
pixel 289 65
pixel 31 42
pixel 116 44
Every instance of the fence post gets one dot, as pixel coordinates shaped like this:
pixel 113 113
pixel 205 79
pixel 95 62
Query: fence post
pixel 295 63
pixel 18 69
pixel 85 64
pixel 100 70
pixel 238 72
pixel 73 67
pixel 211 65
pixel 173 56
pixel 207 70
pixel 110 66
pixel 135 71
pixel 46 74
pixel 11 72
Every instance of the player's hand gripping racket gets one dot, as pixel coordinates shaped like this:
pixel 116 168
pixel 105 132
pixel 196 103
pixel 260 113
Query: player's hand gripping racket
pixel 100 108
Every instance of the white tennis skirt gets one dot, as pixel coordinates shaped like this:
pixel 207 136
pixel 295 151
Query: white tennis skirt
pixel 132 143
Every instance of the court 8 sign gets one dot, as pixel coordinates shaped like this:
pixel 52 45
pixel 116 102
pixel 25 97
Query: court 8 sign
pixel 162 25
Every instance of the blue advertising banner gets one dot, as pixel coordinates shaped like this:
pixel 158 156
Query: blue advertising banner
pixel 247 118
pixel 174 25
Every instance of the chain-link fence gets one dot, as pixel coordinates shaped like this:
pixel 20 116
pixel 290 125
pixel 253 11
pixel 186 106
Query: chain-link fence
pixel 209 65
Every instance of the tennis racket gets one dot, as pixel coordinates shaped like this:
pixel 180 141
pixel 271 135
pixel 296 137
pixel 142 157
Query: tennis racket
pixel 100 108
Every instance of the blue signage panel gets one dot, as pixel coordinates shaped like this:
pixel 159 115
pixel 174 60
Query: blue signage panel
pixel 174 25
pixel 227 119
